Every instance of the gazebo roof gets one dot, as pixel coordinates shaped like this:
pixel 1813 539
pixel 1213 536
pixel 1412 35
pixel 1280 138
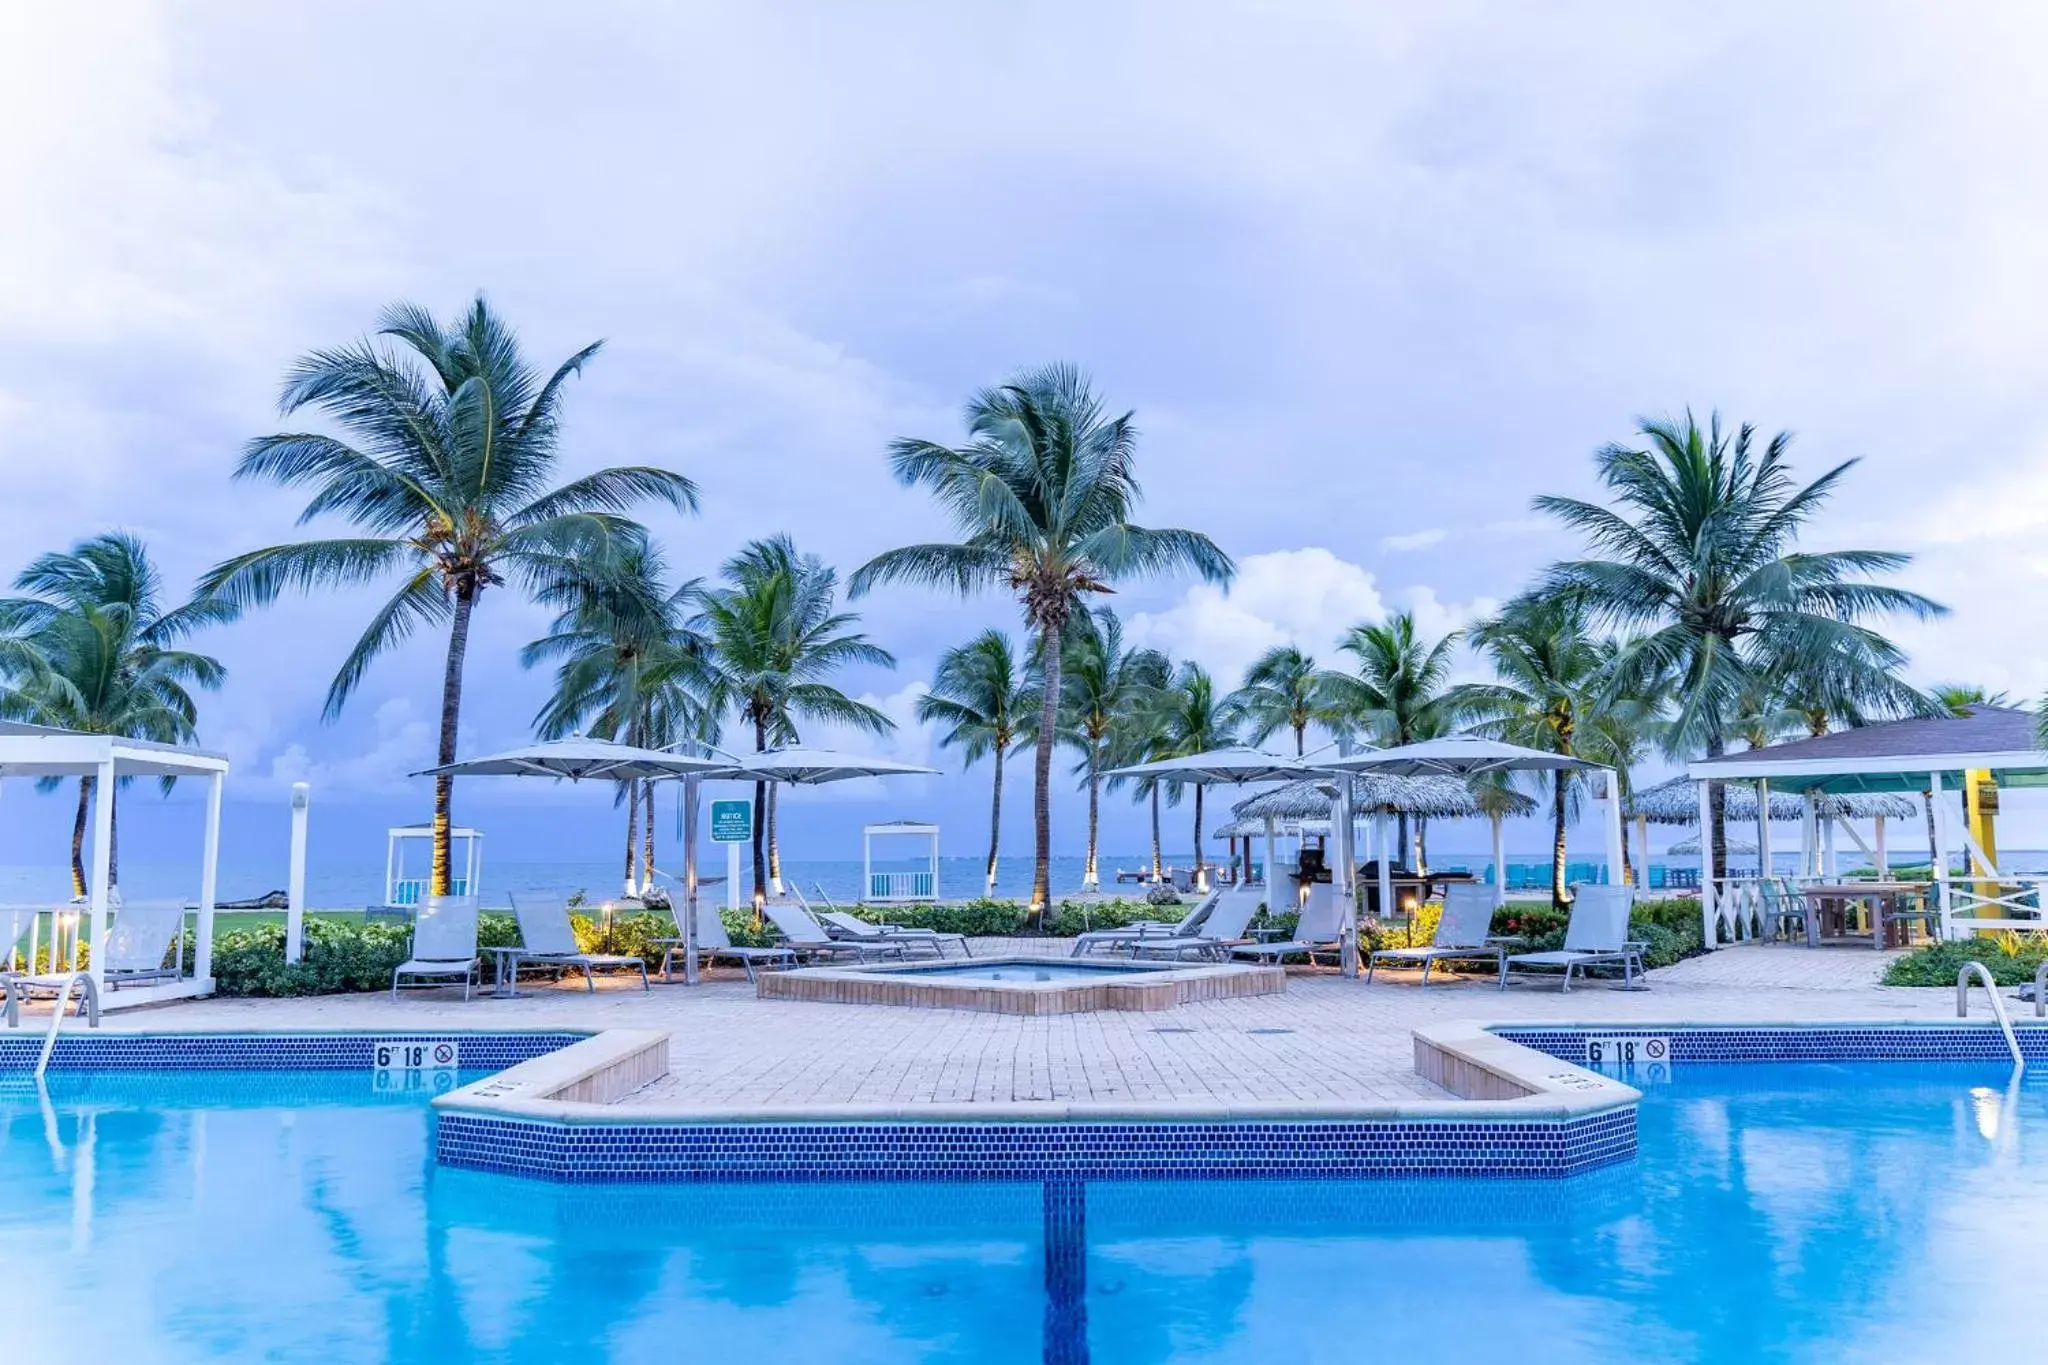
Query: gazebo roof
pixel 1897 755
pixel 1677 802
pixel 1444 797
pixel 45 751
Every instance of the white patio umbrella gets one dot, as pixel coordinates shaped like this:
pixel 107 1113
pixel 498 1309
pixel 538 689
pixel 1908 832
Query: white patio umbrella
pixel 809 767
pixel 578 758
pixel 1234 764
pixel 1470 756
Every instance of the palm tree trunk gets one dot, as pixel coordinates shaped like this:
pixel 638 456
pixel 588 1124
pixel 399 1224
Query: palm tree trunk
pixel 647 844
pixel 1717 812
pixel 1041 796
pixel 995 822
pixel 85 805
pixel 114 837
pixel 1300 731
pixel 451 714
pixel 1926 800
pixel 1092 877
pixel 632 831
pixel 1158 863
pixel 1401 837
pixel 774 840
pixel 1199 864
pixel 1559 897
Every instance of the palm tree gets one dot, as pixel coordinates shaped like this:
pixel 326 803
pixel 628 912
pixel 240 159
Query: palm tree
pixel 1399 694
pixel 451 440
pixel 1042 495
pixel 979 696
pixel 1106 687
pixel 92 647
pixel 1283 689
pixel 1549 678
pixel 628 668
pixel 776 637
pixel 1699 554
pixel 1192 719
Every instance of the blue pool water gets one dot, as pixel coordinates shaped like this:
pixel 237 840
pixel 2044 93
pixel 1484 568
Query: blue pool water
pixel 1862 1213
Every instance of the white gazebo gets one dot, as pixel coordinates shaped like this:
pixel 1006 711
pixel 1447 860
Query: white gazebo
pixel 40 751
pixel 898 888
pixel 403 890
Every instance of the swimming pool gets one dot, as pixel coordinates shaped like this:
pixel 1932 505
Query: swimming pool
pixel 1805 1212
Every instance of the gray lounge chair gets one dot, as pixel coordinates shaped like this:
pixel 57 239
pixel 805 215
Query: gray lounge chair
pixel 1223 930
pixel 844 926
pixel 1464 933
pixel 443 946
pixel 548 939
pixel 1319 930
pixel 714 943
pixel 808 937
pixel 1120 940
pixel 1597 935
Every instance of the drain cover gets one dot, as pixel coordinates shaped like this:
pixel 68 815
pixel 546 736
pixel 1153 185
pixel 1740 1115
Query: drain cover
pixel 1268 1030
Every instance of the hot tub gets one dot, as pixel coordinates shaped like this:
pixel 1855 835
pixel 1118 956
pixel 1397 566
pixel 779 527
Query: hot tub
pixel 1023 985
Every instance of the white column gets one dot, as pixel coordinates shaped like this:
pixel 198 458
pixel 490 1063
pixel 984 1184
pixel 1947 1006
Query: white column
pixel 867 863
pixel 1809 840
pixel 1709 935
pixel 1384 825
pixel 1643 849
pixel 1763 828
pixel 1343 878
pixel 102 868
pixel 1272 905
pixel 1500 864
pixel 1827 842
pixel 1941 886
pixel 1883 855
pixel 689 924
pixel 1612 821
pixel 295 893
pixel 209 870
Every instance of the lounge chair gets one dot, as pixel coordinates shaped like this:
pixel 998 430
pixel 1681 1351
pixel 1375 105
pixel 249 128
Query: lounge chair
pixel 1463 934
pixel 1597 934
pixel 808 937
pixel 1319 930
pixel 443 945
pixel 1121 939
pixel 714 943
pixel 841 925
pixel 138 941
pixel 1223 930
pixel 548 939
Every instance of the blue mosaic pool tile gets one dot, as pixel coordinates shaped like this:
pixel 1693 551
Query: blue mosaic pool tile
pixel 604 1153
pixel 1961 1041
pixel 87 1051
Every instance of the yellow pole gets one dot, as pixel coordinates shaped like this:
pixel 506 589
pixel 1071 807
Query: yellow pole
pixel 1980 806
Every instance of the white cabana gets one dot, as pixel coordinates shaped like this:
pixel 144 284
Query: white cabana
pixel 899 888
pixel 40 751
pixel 406 892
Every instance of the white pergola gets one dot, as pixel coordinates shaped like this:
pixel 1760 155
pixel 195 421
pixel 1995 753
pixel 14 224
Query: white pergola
pixel 36 751
pixel 1933 754
pixel 898 888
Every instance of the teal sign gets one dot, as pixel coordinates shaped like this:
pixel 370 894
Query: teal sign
pixel 732 822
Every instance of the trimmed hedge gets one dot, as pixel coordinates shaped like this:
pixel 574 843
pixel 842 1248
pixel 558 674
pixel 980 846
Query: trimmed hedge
pixel 2011 957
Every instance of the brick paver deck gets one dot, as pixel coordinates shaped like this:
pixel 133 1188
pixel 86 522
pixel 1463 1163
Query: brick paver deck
pixel 1326 1038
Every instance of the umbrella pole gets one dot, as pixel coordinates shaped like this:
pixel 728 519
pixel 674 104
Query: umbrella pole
pixel 690 881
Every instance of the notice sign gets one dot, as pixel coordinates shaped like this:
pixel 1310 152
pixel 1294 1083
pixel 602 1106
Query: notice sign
pixel 732 822
pixel 414 1064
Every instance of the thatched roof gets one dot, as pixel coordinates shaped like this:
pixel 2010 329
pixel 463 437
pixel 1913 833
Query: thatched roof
pixel 1371 793
pixel 1677 802
pixel 1689 846
pixel 1255 829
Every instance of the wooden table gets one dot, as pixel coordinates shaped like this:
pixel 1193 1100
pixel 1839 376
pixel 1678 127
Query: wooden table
pixel 1886 902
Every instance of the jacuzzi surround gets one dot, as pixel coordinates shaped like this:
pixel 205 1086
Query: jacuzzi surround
pixel 947 985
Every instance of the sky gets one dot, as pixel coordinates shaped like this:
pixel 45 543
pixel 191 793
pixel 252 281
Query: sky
pixel 1370 277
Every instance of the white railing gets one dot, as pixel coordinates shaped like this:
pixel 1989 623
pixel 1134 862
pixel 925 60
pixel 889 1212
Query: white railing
pixel 901 886
pixel 2007 901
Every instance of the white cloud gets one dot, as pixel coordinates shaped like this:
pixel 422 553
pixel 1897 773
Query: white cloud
pixel 1307 597
pixel 1414 540
pixel 401 742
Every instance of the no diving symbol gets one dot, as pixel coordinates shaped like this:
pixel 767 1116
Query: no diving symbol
pixel 1656 1050
pixel 444 1054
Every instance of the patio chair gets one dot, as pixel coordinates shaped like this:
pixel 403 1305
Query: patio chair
pixel 841 925
pixel 1223 930
pixel 1464 933
pixel 1597 935
pixel 138 941
pixel 548 939
pixel 1319 930
pixel 443 946
pixel 714 943
pixel 1150 928
pixel 1784 907
pixel 808 937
